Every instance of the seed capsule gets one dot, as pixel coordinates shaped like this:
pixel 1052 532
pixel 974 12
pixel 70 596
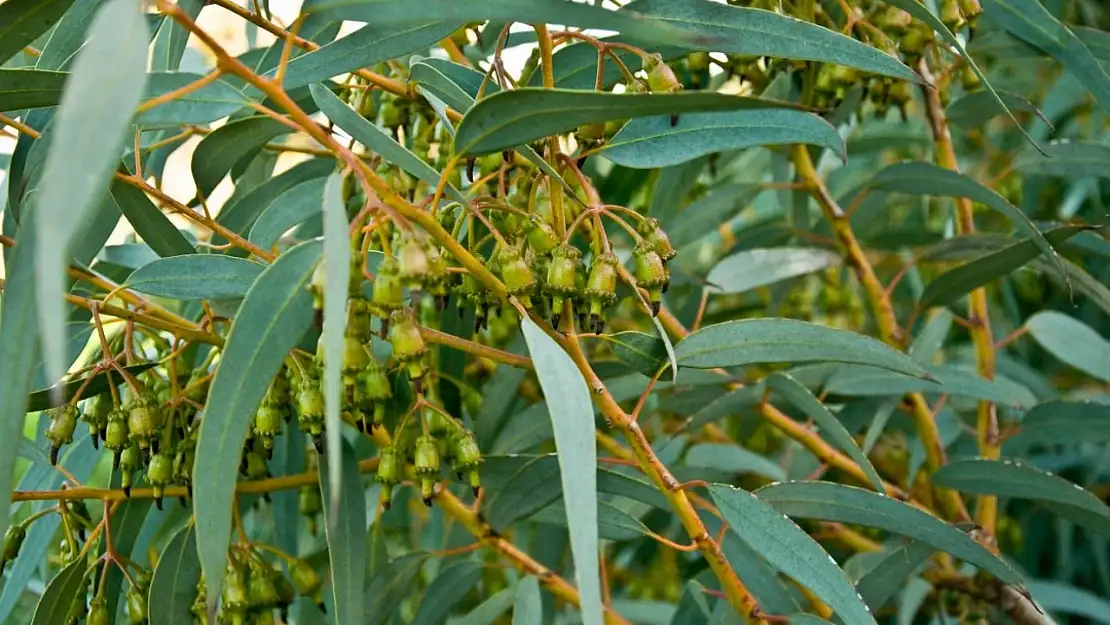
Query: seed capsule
pixel 235 597
pixel 408 344
pixel 541 236
pixel 372 391
pixel 467 458
pixel 657 237
pixel 268 421
pixel 562 279
pixel 310 505
pixel 13 542
pixel 261 592
pixel 426 465
pixel 144 420
pixel 129 462
pixel 412 260
pixel 651 274
pixel 307 582
pixel 388 293
pixel 96 413
pixel 116 434
pixel 310 408
pixel 517 276
pixel 136 606
pixel 601 288
pixel 160 475
pixel 389 472
pixel 98 612
pixel 63 422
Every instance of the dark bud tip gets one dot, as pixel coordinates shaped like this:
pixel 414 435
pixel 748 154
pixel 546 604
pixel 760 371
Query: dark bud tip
pixel 470 169
pixel 184 503
pixel 266 498
pixel 477 490
pixel 418 386
pixel 318 318
pixel 555 319
pixel 115 461
pixel 666 285
pixel 507 156
pixel 428 501
pixel 53 455
pixel 158 503
pixel 459 311
pixel 318 443
pixel 674 120
pixel 323 608
pixel 441 302
pixel 95 441
pixel 582 162
pixel 386 506
pixel 127 491
pixel 655 309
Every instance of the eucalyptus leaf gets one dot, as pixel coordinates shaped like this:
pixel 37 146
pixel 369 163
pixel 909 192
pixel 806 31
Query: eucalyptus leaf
pixel 196 276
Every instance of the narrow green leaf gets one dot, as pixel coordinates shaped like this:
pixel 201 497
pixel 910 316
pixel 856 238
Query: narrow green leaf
pixel 196 276
pixel 1012 478
pixel 839 503
pixel 757 341
pixel 693 607
pixel 389 587
pixel 511 118
pixel 155 228
pixel 98 385
pixel 754 268
pixel 22 21
pixel 747 31
pixel 57 600
pixel 1062 423
pixel 732 459
pixel 106 83
pixel 957 282
pixel 400 12
pixel 613 523
pixel 337 266
pixel 1061 598
pixel 207 104
pixel 650 142
pixel 447 590
pixel 1072 342
pixel 1070 159
pixel 643 353
pixel 790 550
pixel 922 12
pixel 173 588
pixel 270 322
pixel 1031 22
pixel 528 607
pixel 240 212
pixel 345 530
pixel 218 152
pixel 363 48
pixel 172 38
pixel 378 141
pixel 806 619
pixel 575 66
pixel 488 611
pixel 30 88
pixel 831 427
pixel 892 572
pixel 921 178
pixel 960 380
pixel 928 343
pixel 295 206
pixel 525 493
pixel 976 108
pixel 572 418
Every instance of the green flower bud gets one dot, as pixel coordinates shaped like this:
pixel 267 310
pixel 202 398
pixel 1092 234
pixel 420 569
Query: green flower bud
pixel 63 422
pixel 307 582
pixel 517 276
pixel 661 78
pixel 358 318
pixel 467 458
pixel 601 287
pixel 650 273
pixel 408 343
pixel 426 465
pixel 129 462
pixel 116 435
pixel 541 236
pixel 136 606
pixel 98 612
pixel 235 597
pixel 256 466
pixel 388 294
pixel 412 260
pixel 160 475
pixel 268 421
pixel 13 542
pixel 562 278
pixel 657 237
pixel 261 592
pixel 144 420
pixel 96 413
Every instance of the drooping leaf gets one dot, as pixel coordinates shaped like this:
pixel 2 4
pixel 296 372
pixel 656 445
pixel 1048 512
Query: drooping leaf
pixel 976 108
pixel 568 401
pixel 754 268
pixel 337 267
pixel 173 588
pixel 754 341
pixel 643 353
pixel 839 503
pixel 155 228
pixel 196 276
pixel 1015 479
pixel 378 141
pixel 106 83
pixel 446 591
pixel 890 575
pixel 363 48
pixel 274 315
pixel 345 530
pixel 1072 342
pixel 1072 159
pixel 961 280
pixel 528 607
pixel 650 142
pixel 511 118
pixel 384 13
pixel 22 21
pixel 218 152
pixel 748 31
pixel 784 546
pixel 54 605
pixel 831 427
pixel 1031 22
pixel 922 178
pixel 1062 423
pixel 1061 598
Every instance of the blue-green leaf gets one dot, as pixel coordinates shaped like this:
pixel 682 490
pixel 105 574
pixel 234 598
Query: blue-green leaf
pixel 106 84
pixel 196 276
pixel 207 104
pixel 173 588
pixel 22 21
pixel 337 265
pixel 1071 341
pixel 30 88
pixel 378 141
pixel 651 142
pixel 756 32
pixel 889 576
pixel 528 607
pixel 757 341
pixel 847 504
pixel 54 605
pixel 975 109
pixel 1061 598
pixel 218 152
pixel 345 530
pixel 295 206
pixel 270 322
pixel 790 550
pixel 1015 479
pixel 1072 159
pixel 446 590
pixel 384 595
pixel 831 427
pixel 572 418
pixel 922 178
pixel 1062 423
pixel 754 268
pixel 156 229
